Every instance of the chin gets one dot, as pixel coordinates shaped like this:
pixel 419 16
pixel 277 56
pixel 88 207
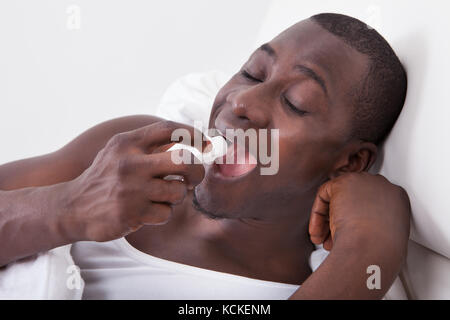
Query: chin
pixel 232 197
pixel 220 200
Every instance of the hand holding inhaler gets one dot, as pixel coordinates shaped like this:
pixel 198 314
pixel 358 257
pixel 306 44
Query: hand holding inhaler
pixel 124 188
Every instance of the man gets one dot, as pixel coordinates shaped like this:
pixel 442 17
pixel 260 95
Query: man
pixel 330 84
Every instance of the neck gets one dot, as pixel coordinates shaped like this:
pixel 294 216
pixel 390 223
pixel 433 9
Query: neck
pixel 276 246
pixel 275 250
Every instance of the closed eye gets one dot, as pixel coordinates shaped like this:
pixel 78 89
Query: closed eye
pixel 293 107
pixel 250 77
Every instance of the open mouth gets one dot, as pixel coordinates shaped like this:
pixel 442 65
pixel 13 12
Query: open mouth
pixel 238 161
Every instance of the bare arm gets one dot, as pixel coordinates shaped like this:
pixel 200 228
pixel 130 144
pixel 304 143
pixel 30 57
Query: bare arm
pixel 364 220
pixel 32 191
pixel 70 161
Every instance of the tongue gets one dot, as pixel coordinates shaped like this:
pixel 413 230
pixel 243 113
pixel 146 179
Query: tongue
pixel 236 162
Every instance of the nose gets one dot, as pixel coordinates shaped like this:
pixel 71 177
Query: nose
pixel 249 105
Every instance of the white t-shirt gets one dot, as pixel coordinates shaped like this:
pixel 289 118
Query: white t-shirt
pixel 117 270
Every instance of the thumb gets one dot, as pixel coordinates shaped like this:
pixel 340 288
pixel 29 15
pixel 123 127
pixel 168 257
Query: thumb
pixel 319 222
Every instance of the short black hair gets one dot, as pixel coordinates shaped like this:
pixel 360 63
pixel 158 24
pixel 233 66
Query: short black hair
pixel 380 96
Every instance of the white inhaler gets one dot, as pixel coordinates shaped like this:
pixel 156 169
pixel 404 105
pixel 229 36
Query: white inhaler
pixel 219 146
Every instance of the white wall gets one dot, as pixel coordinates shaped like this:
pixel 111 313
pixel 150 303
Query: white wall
pixel 57 80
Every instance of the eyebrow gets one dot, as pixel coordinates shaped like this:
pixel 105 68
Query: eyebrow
pixel 301 68
pixel 268 49
pixel 313 75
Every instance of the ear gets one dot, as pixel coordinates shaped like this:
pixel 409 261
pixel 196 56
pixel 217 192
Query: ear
pixel 357 156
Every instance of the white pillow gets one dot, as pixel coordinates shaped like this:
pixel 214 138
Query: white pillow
pixel 190 98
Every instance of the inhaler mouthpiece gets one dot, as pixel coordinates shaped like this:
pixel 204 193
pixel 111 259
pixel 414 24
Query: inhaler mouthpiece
pixel 217 148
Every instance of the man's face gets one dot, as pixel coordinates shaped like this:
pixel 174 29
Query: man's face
pixel 298 83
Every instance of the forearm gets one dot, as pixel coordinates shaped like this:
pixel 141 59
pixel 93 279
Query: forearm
pixel 32 191
pixel 344 273
pixel 30 221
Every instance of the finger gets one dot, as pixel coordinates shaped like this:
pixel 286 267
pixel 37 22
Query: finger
pixel 171 192
pixel 318 228
pixel 328 243
pixel 319 225
pixel 161 164
pixel 157 213
pixel 165 132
